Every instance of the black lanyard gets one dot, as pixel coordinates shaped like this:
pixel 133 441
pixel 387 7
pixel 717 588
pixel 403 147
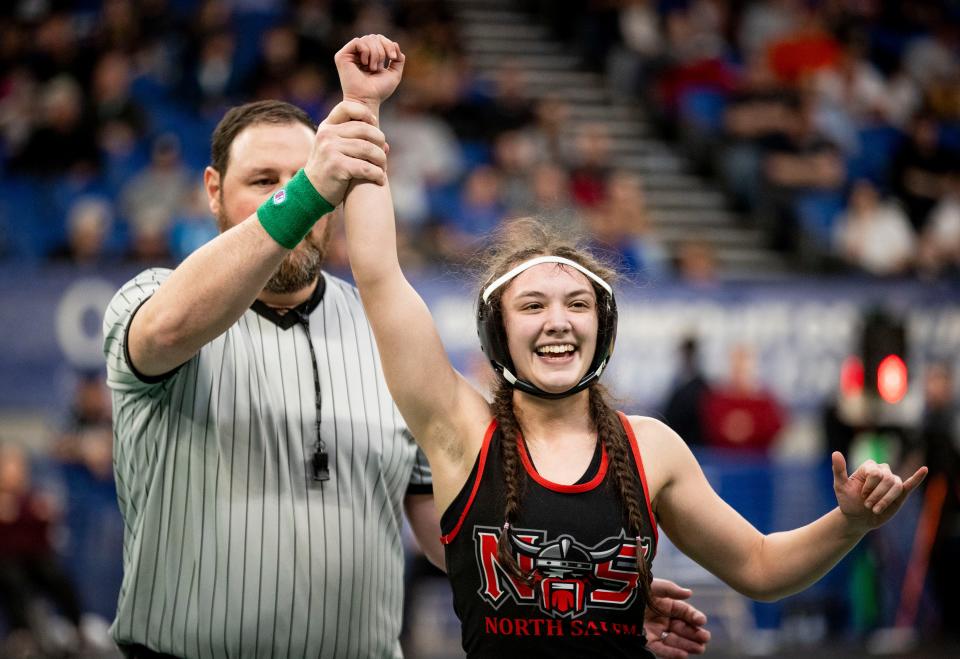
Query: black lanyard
pixel 320 462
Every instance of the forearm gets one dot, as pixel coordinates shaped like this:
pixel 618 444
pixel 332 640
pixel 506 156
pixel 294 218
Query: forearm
pixel 203 297
pixel 371 233
pixel 789 561
pixel 425 523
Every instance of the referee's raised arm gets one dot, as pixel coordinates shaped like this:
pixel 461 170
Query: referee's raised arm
pixel 212 288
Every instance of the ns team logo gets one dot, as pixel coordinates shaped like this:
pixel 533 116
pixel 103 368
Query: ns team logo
pixel 569 577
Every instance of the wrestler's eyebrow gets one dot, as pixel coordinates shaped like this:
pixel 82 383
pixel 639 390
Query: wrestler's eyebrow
pixel 538 294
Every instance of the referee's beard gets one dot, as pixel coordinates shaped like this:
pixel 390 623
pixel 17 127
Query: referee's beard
pixel 301 267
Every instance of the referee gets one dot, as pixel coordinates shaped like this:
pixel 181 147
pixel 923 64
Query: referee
pixel 261 465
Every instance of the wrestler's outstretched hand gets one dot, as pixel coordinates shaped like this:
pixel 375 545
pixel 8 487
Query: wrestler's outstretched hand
pixel 370 69
pixel 873 493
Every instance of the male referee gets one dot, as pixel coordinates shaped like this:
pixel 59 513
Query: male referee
pixel 261 465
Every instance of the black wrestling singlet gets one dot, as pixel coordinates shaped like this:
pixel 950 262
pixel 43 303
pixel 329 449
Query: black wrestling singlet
pixel 583 600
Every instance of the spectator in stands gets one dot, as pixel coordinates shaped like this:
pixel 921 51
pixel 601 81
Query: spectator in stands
pixel 121 121
pixel 89 222
pixel 756 116
pixel 149 236
pixel 87 436
pixel 549 198
pixel 800 162
pixel 633 66
pixel 939 251
pixel 919 168
pixel 621 226
pixel 850 95
pixel 307 89
pixel 55 49
pixel 193 225
pixel 740 413
pixel 932 56
pixel 873 235
pixel 156 194
pixel 683 409
pixel 424 156
pixel 551 123
pixel 764 22
pixel 696 43
pixel 515 155
pixel 590 165
pixel 806 49
pixel 211 77
pixel 18 100
pixel 29 566
pixel 902 99
pixel 696 263
pixel 279 55
pixel 510 105
pixel 64 141
pixel 854 86
pixel 474 214
pixel 119 26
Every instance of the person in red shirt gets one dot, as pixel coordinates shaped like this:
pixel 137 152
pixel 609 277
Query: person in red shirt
pixel 740 413
pixel 28 563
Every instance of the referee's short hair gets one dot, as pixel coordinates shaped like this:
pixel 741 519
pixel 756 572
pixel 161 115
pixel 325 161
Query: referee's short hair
pixel 238 118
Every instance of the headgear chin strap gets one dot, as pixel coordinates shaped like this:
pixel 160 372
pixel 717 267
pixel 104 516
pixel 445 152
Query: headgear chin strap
pixel 493 337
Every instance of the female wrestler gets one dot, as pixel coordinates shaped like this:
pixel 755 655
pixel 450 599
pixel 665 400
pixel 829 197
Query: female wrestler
pixel 550 498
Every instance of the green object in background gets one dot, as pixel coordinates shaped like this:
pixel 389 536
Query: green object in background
pixel 877 446
pixel 865 605
pixel 864 593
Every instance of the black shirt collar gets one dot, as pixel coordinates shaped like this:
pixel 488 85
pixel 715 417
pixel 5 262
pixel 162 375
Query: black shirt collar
pixel 296 315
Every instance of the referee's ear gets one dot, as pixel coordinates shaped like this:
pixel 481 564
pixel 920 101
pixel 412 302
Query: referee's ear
pixel 211 183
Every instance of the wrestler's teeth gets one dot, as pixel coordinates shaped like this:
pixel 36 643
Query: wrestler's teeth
pixel 555 350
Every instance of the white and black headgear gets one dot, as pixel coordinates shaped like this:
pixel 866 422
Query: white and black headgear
pixel 493 338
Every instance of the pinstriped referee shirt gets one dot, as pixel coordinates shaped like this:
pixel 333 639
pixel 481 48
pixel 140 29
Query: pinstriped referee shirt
pixel 231 549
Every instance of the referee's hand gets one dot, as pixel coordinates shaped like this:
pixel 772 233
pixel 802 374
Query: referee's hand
pixel 348 146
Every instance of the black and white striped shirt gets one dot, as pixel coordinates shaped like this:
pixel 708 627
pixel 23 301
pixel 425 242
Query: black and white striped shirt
pixel 231 549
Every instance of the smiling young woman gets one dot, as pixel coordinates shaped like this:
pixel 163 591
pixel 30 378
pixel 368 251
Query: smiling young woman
pixel 548 513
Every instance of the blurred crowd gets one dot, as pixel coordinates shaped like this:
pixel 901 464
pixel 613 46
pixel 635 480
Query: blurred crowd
pixel 57 518
pixel 106 110
pixel 834 125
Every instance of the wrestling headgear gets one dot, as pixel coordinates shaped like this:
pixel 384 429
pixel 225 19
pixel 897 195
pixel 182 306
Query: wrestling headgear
pixel 493 338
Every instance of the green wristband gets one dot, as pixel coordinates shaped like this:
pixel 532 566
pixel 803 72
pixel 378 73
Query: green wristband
pixel 290 213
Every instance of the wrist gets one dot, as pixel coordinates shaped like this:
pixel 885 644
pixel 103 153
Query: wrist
pixel 853 528
pixel 372 104
pixel 289 213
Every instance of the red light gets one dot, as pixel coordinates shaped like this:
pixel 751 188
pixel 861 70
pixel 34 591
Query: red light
pixel 851 376
pixel 892 379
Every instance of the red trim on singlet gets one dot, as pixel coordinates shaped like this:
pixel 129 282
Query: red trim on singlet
pixel 557 487
pixel 448 538
pixel 635 447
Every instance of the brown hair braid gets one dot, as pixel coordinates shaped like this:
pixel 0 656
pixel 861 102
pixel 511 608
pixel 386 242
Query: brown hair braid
pixel 611 432
pixel 513 480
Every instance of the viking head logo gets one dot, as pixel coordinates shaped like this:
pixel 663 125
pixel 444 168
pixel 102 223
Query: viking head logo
pixel 565 567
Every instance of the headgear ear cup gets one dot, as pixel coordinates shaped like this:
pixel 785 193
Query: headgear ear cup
pixel 493 337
